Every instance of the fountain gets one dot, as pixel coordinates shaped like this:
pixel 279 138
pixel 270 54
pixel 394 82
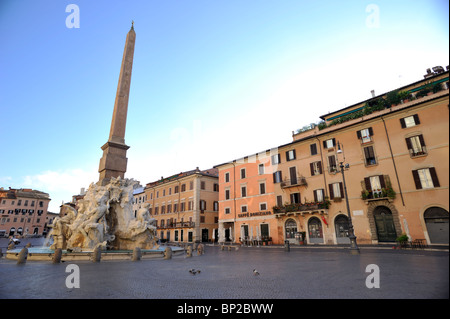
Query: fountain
pixel 104 220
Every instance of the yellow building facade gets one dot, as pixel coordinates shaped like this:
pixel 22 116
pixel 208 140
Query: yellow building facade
pixel 185 206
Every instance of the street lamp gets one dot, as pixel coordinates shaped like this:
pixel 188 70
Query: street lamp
pixel 354 250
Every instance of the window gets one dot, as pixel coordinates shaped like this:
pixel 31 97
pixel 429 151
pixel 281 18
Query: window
pixel 290 155
pixel 336 190
pixel 365 135
pixel 243 191
pixel 295 198
pixel 202 185
pixel 202 205
pixel 277 178
pixel 183 187
pixel 191 185
pixel 330 143
pixel 216 206
pixel 316 168
pixel 243 208
pixel 176 190
pixel 375 185
pixel 313 149
pixel 410 121
pixel 279 200
pixel 227 177
pixel 227 194
pixel 182 207
pixel 416 145
pixel 242 173
pixel 169 208
pixel 227 210
pixel 332 166
pixel 262 206
pixel 190 205
pixel 216 187
pixel 318 195
pixel 262 188
pixel 425 178
pixel 261 169
pixel 369 155
pixel 276 159
pixel 170 191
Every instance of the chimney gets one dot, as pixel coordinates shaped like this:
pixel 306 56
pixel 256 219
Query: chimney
pixel 373 93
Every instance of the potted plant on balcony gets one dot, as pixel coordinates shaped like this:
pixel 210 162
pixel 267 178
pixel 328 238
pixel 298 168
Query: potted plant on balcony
pixel 393 98
pixel 404 96
pixel 436 87
pixel 365 194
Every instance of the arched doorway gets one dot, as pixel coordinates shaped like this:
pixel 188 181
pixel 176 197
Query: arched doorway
pixel 341 227
pixel 12 231
pixel 290 229
pixel 384 223
pixel 436 220
pixel 315 231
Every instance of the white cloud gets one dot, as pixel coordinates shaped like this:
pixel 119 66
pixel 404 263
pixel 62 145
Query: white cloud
pixel 60 185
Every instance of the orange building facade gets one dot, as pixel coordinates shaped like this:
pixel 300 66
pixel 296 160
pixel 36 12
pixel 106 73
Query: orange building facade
pixel 395 155
pixel 185 206
pixel 23 212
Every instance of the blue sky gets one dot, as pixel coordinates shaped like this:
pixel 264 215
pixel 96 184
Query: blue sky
pixel 212 81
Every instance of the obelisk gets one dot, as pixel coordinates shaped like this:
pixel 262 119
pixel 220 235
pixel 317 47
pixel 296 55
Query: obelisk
pixel 114 160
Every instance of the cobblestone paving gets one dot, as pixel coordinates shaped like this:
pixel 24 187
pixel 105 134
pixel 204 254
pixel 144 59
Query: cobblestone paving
pixel 300 273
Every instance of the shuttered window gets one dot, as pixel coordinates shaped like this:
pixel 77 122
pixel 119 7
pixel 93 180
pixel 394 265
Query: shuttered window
pixel 336 190
pixel 330 143
pixel 365 135
pixel 369 155
pixel 318 195
pixel 425 178
pixel 315 168
pixel 416 145
pixel 410 121
pixel 277 178
pixel 313 149
pixel 290 155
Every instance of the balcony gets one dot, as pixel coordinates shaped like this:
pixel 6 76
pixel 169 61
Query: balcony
pixel 380 194
pixel 298 208
pixel 418 151
pixel 177 225
pixel 299 181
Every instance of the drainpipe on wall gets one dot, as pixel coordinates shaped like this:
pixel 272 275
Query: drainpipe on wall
pixel 323 169
pixel 393 161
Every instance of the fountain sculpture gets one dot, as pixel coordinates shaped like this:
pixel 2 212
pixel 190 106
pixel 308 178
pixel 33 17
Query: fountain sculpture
pixel 105 218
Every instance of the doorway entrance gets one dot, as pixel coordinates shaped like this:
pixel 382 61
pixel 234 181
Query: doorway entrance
pixel 436 220
pixel 315 231
pixel 384 223
pixel 341 227
pixel 204 235
pixel 290 230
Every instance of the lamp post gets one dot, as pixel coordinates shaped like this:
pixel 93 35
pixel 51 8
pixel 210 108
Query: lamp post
pixel 354 250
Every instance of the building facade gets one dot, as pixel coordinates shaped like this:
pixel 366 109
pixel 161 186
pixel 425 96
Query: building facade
pixel 185 206
pixel 395 155
pixel 23 212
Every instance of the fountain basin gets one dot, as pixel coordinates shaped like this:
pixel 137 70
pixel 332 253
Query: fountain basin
pixel 46 254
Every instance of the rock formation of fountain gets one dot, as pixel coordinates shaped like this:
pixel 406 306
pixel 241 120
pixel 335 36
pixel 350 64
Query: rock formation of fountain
pixel 105 218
